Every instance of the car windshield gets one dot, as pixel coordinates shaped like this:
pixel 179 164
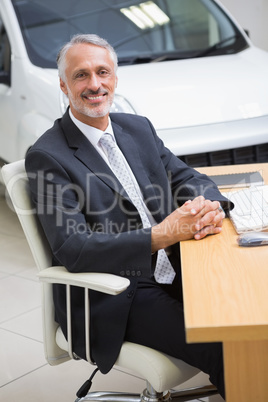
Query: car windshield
pixel 140 32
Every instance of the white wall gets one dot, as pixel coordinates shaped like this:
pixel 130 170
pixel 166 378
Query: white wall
pixel 253 16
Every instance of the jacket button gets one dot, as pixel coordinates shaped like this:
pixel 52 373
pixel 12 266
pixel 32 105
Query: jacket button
pixel 130 294
pixel 138 273
pixel 133 273
pixel 128 273
pixel 122 273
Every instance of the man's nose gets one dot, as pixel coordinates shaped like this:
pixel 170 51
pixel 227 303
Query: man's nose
pixel 94 82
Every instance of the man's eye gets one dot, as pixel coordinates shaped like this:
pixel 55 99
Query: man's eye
pixel 80 75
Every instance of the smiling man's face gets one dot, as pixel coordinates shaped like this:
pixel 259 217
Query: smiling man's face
pixel 90 83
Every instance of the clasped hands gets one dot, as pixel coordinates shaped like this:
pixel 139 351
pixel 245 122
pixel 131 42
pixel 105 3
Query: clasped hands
pixel 196 219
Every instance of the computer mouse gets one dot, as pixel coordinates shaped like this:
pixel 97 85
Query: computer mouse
pixel 253 239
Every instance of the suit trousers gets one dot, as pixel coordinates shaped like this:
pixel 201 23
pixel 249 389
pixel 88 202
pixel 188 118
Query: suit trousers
pixel 156 320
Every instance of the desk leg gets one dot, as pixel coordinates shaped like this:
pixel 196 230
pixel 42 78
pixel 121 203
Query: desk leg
pixel 246 371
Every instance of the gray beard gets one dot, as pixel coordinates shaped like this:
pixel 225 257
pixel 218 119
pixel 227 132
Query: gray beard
pixel 98 111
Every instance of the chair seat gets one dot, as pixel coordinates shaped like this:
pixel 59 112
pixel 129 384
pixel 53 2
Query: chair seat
pixel 163 372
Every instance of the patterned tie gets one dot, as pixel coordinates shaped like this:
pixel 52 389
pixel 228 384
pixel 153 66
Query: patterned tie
pixel 164 272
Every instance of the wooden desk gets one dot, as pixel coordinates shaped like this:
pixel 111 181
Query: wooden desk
pixel 226 299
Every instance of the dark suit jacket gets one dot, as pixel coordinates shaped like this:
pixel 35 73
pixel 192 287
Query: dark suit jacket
pixel 92 225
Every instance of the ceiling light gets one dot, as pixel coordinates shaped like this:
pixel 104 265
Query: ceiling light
pixel 157 15
pixel 133 18
pixel 146 15
pixel 139 13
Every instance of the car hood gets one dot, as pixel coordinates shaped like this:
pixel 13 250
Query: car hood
pixel 199 91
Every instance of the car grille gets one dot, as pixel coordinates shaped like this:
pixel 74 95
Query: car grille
pixel 250 154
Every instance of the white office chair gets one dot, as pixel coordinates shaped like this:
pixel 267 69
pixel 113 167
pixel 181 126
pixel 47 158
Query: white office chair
pixel 161 372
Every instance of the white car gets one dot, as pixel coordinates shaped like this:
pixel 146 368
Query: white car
pixel 185 64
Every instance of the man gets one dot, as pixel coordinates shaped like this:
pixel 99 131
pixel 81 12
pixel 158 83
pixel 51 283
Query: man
pixel 119 213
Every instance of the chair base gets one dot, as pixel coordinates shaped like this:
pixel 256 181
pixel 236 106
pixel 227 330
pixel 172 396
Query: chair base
pixel 149 396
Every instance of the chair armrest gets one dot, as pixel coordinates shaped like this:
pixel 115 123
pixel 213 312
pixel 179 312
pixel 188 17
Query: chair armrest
pixel 105 283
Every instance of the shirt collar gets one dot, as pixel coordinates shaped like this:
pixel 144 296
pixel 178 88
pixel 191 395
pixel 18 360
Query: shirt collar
pixel 93 134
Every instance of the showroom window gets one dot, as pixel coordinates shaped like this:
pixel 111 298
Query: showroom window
pixel 5 55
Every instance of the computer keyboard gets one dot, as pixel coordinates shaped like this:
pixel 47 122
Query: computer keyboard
pixel 251 208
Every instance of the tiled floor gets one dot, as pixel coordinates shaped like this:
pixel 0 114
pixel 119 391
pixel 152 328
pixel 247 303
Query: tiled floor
pixel 24 374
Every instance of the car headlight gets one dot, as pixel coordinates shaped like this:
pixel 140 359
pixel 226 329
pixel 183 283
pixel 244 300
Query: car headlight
pixel 120 104
pixel 64 102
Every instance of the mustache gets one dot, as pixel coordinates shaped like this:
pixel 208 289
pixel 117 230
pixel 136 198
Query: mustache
pixel 89 92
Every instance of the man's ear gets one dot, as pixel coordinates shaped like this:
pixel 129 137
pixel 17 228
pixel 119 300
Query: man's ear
pixel 63 87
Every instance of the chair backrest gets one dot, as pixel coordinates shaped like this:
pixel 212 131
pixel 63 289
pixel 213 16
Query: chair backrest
pixel 17 185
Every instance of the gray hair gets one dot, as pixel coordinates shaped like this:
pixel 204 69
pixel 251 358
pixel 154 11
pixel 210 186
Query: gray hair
pixel 90 39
